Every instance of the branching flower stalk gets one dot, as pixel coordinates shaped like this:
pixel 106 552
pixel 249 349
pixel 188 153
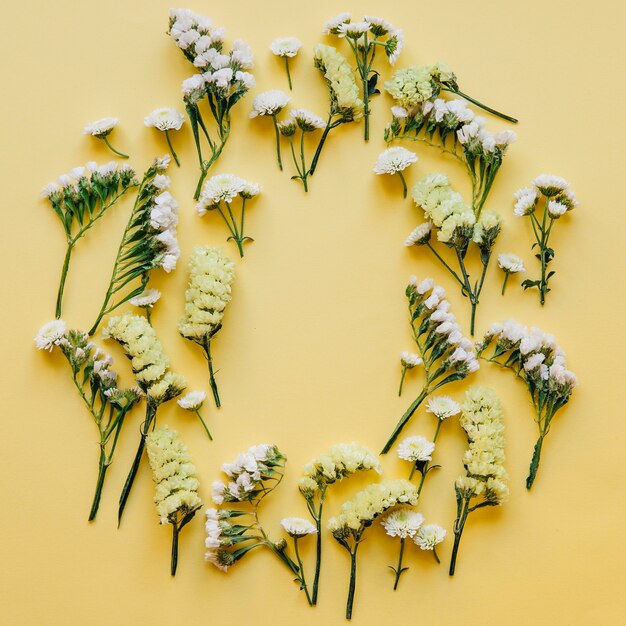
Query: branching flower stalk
pixel 446 354
pixel 151 368
pixel 80 199
pixel 365 38
pixel 270 104
pixel 486 480
pixel 221 83
pixel 148 242
pixel 535 358
pixel 211 274
pixel 96 383
pixel 338 462
pixel 360 513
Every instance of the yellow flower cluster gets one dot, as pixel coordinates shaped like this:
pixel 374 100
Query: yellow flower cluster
pixel 148 359
pixel 481 418
pixel 177 487
pixel 335 464
pixel 341 81
pixel 368 504
pixel 415 84
pixel 211 276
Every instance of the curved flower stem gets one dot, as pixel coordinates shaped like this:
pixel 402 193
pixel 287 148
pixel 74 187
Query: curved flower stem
pixel 318 551
pixel 534 464
pixel 436 555
pixel 399 569
pixel 66 266
pixel 404 369
pixel 483 106
pixel 204 424
pixel 506 278
pixel 169 143
pixel 352 587
pixel 102 469
pixel 212 381
pixel 288 73
pixel 456 276
pixel 175 532
pixel 404 419
pixel 320 145
pixel 112 149
pixel 301 576
pixel 404 189
pixel 280 161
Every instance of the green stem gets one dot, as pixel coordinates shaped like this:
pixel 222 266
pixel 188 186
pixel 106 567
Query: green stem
pixel 404 369
pixel 352 587
pixel 169 143
pixel 212 381
pixel 112 149
pixel 404 189
pixel 174 564
pixel 318 551
pixel 404 419
pixel 102 468
pixel 320 145
pixel 399 569
pixel 436 555
pixel 301 575
pixel 304 170
pixel 66 266
pixel 506 278
pixel 280 161
pixel 508 118
pixel 456 276
pixel 288 73
pixel 459 524
pixel 534 464
pixel 204 424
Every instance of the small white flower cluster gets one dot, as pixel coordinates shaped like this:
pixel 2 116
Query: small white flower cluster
pixel 162 214
pixel 164 119
pixel 410 360
pixel 247 473
pixel 147 299
pixel 102 127
pixel 414 85
pixel 269 102
pixel 306 120
pixel 416 449
pixel 394 160
pixel 559 196
pixel 477 140
pixel 511 263
pixel 429 536
pixel 402 523
pixel 192 401
pixel 442 407
pixel 297 527
pixel 285 47
pixel 224 188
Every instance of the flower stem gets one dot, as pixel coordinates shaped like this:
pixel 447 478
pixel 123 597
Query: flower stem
pixel 404 189
pixel 534 464
pixel 288 73
pixel 508 118
pixel 204 424
pixel 280 161
pixel 404 369
pixel 404 419
pixel 399 569
pixel 212 381
pixel 506 278
pixel 318 552
pixel 459 524
pixel 169 143
pixel 66 266
pixel 102 468
pixel 352 587
pixel 174 565
pixel 301 575
pixel 320 145
pixel 112 149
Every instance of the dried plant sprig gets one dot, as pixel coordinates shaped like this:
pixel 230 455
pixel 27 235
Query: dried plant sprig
pixel 534 357
pixel 151 368
pixel 360 512
pixel 96 382
pixel 486 480
pixel 176 496
pixel 221 83
pixel 148 242
pixel 559 199
pixel 365 38
pixel 80 199
pixel 344 103
pixel 338 462
pixel 211 274
pixel 447 355
pixel 101 129
pixel 224 189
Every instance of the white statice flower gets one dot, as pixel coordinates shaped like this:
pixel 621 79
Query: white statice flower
pixel 332 26
pixel 420 235
pixel 399 112
pixel 241 56
pixel 101 127
pixel 193 84
pixel 526 201
pixel 443 406
pixel 534 361
pixel 297 527
pixel 505 138
pixel 164 119
pixel 402 523
pixel 269 103
pixel 219 188
pixel 192 400
pixel 246 79
pixel 510 263
pixel 410 360
pixel 147 299
pixel 556 209
pixel 416 449
pixel 50 334
pixel 306 120
pixel 429 535
pixel 285 46
pixel 394 160
pixel 550 185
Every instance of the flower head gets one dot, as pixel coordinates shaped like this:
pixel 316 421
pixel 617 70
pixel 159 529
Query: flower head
pixel 219 188
pixel 306 120
pixel 526 201
pixel 402 522
pixel 410 360
pixel 428 536
pixel 269 103
pixel 164 119
pixel 147 299
pixel 192 400
pixel 50 335
pixel 285 46
pixel 510 263
pixel 416 449
pixel 394 160
pixel 443 407
pixel 297 527
pixel 101 127
pixel 550 185
pixel 332 26
pixel 420 235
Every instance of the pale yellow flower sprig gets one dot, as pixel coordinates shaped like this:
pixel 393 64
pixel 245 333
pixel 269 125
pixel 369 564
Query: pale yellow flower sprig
pixel 486 480
pixel 338 462
pixel 345 103
pixel 176 496
pixel 360 512
pixel 211 274
pixel 151 368
pixel 97 385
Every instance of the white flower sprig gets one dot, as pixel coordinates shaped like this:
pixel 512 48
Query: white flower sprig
pixel 485 477
pixel 80 199
pixel 165 120
pixel 394 161
pixel 224 189
pixel 222 80
pixel 365 37
pixel 96 382
pixel 176 496
pixel 192 401
pixel 101 129
pixel 148 242
pixel 286 48
pixel 338 462
pixel 446 355
pixel 510 264
pixel 270 104
pixel 559 199
pixel 211 274
pixel 536 359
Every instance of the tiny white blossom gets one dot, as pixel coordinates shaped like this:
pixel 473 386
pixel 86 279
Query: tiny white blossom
pixel 526 201
pixel 410 360
pixel 402 523
pixel 443 406
pixel 511 263
pixel 285 46
pixel 416 449
pixel 50 334
pixel 101 127
pixel 164 119
pixel 428 536
pixel 192 400
pixel 269 103
pixel 420 235
pixel 394 160
pixel 297 527
pixel 146 299
pixel 332 26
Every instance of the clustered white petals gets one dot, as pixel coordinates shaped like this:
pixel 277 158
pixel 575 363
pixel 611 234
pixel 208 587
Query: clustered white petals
pixel 164 119
pixel 429 536
pixel 192 400
pixel 269 103
pixel 410 359
pixel 394 160
pixel 101 127
pixel 297 527
pixel 416 449
pixel 420 235
pixel 285 46
pixel 511 263
pixel 147 299
pixel 402 522
pixel 443 406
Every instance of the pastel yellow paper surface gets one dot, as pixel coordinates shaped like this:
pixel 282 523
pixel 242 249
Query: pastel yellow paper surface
pixel 308 353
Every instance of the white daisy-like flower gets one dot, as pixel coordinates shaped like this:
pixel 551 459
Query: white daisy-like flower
pixel 101 127
pixel 505 138
pixel 394 45
pixel 402 523
pixel 420 235
pixel 510 263
pixel 48 190
pixel 50 334
pixel 332 26
pixel 306 120
pixel 410 360
pixel 192 400
pixel 297 527
pixel 394 160
pixel 443 406
pixel 526 201
pixel 550 185
pixel 556 209
pixel 353 29
pixel 285 46
pixel 379 26
pixel 146 299
pixel 429 535
pixel 416 449
pixel 269 103
pixel 219 188
pixel 164 119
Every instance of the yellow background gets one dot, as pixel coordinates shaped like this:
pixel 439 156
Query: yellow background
pixel 308 352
